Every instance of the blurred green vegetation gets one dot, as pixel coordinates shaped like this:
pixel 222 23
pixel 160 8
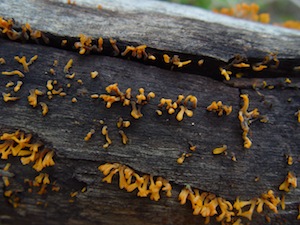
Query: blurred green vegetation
pixel 280 10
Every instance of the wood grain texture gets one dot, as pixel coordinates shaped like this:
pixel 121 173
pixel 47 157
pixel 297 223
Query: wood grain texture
pixel 155 142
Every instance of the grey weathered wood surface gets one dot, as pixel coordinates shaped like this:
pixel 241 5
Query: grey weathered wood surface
pixel 155 142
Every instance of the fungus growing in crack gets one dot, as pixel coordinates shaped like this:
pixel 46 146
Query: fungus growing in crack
pixel 63 42
pixel 259 67
pixel 137 52
pixel 225 73
pixel 113 43
pixel 241 65
pixel 84 45
pixel 289 181
pixel 151 57
pixel 7 97
pixel 200 62
pixel 68 66
pixel 14 72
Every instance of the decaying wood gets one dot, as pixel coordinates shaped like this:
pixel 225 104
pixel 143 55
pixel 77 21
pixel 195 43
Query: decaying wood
pixel 155 142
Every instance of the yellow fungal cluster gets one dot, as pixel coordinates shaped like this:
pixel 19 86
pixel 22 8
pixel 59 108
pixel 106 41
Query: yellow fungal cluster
pixel 245 118
pixel 208 205
pixel 33 97
pixel 129 180
pixel 137 52
pixel 181 104
pixel 270 59
pixel 85 44
pixel 246 11
pixel 289 181
pixel 25 64
pixel 219 108
pixel 127 99
pixel 6 27
pixel 41 181
pixel 175 60
pixel 19 144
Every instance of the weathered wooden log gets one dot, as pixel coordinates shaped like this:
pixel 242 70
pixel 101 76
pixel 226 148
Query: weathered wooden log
pixel 155 142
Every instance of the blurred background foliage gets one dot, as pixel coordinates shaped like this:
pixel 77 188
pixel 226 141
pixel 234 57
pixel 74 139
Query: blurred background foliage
pixel 279 10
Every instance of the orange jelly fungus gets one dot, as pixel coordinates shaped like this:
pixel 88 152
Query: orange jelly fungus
pixel 245 118
pixel 33 97
pixel 19 144
pixel 115 95
pixel 25 64
pixel 14 72
pixel 180 106
pixel 130 181
pixel 289 181
pixel 219 108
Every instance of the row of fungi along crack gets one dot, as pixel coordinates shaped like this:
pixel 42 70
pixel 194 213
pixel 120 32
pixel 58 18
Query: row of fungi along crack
pixel 130 181
pixel 87 45
pixel 203 203
pixel 208 205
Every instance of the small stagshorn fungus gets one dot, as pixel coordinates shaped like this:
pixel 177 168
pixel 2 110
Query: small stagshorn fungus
pixel 219 108
pixel 130 180
pixel 19 144
pixel 181 104
pixel 289 181
pixel 207 205
pixel 127 99
pixel 246 118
